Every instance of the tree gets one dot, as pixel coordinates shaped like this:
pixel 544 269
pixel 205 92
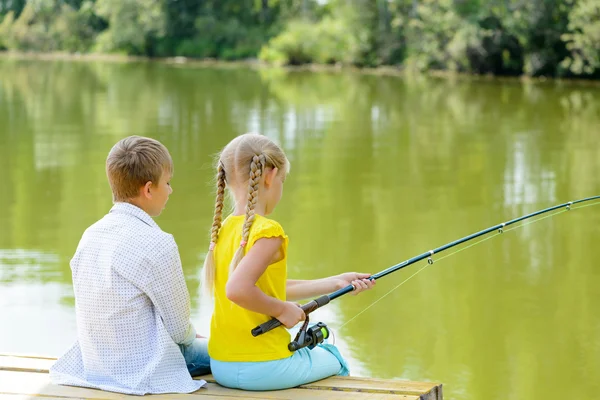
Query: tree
pixel 16 6
pixel 133 25
pixel 583 41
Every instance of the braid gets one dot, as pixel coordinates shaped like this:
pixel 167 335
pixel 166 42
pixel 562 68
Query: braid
pixel 218 218
pixel 256 169
pixel 209 262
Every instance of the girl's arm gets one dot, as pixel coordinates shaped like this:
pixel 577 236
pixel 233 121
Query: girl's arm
pixel 302 289
pixel 242 290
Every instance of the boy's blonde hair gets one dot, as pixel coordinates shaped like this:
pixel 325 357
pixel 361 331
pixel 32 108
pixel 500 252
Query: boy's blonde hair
pixel 132 162
pixel 241 163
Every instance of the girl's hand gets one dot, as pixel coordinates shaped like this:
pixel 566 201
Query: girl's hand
pixel 291 314
pixel 360 281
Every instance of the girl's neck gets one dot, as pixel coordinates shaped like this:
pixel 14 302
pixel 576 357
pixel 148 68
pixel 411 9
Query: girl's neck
pixel 240 208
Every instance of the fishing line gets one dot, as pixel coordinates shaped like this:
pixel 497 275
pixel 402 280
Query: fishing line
pixel 483 234
pixel 458 251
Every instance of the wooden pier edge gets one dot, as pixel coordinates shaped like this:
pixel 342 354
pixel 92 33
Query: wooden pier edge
pixel 26 377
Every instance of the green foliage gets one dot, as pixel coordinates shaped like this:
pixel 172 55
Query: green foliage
pixel 47 25
pixel 73 29
pixel 470 38
pixel 229 40
pixel 326 42
pixel 430 33
pixel 541 25
pixel 294 46
pixel 31 30
pixel 5 30
pixel 512 37
pixel 14 6
pixel 583 41
pixel 133 25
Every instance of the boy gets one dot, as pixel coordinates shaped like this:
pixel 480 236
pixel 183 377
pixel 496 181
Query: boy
pixel 132 304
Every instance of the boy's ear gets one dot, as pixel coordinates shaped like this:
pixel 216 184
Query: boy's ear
pixel 270 175
pixel 146 190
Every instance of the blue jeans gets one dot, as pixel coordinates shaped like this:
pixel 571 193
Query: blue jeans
pixel 196 357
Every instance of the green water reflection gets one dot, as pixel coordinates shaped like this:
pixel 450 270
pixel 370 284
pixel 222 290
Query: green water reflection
pixel 383 169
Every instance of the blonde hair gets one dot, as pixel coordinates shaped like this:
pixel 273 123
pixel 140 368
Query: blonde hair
pixel 132 162
pixel 241 162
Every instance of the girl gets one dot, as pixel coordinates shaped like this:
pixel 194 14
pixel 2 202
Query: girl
pixel 246 271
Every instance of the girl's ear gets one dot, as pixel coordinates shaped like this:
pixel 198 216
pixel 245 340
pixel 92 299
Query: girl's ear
pixel 270 176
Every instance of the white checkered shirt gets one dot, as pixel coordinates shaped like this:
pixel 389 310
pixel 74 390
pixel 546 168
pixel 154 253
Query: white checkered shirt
pixel 133 309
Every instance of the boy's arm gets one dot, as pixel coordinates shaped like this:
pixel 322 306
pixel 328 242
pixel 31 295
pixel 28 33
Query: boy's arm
pixel 166 288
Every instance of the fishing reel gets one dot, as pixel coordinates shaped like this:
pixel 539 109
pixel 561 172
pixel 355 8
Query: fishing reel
pixel 309 337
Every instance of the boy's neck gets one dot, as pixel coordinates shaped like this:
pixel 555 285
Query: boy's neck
pixel 138 203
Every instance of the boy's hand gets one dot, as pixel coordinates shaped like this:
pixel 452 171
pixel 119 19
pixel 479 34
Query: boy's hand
pixel 360 281
pixel 199 336
pixel 291 314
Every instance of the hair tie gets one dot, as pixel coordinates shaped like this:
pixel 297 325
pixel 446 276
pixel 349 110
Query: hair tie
pixel 211 247
pixel 243 243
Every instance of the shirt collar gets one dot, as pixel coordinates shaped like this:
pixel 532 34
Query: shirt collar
pixel 135 211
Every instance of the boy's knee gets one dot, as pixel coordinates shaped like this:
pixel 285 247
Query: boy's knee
pixel 198 369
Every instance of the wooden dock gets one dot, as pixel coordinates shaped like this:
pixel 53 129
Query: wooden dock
pixel 26 377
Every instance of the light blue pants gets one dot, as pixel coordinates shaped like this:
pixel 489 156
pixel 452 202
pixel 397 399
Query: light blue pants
pixel 196 357
pixel 304 366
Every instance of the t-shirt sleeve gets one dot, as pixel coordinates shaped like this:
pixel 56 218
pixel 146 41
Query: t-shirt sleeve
pixel 267 228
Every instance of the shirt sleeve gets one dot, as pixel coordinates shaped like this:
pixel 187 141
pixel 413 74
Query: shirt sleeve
pixel 168 292
pixel 267 228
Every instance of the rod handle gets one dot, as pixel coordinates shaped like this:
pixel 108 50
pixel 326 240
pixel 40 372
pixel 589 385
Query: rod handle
pixel 266 327
pixel 274 322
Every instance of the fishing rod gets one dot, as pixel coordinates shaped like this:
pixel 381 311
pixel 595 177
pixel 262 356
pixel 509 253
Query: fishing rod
pixel 316 334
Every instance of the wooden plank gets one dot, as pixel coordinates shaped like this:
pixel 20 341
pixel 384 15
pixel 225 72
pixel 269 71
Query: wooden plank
pixel 28 383
pixel 27 355
pixel 25 363
pixel 426 390
pixel 434 394
pixel 391 386
pixel 42 365
pixel 4 396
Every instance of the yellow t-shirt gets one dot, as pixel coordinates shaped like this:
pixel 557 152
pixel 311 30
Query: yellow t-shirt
pixel 230 337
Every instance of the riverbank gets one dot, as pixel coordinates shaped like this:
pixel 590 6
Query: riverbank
pixel 257 64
